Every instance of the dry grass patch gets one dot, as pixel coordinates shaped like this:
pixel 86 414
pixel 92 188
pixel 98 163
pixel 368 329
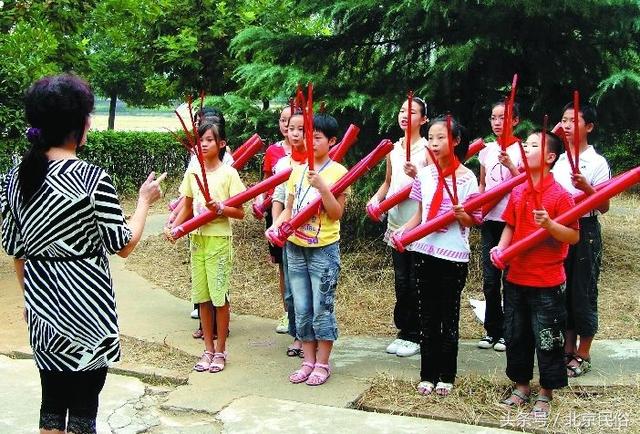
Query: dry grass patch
pixel 475 400
pixel 366 297
pixel 156 355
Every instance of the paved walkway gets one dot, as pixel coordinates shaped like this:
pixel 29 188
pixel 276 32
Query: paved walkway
pixel 252 394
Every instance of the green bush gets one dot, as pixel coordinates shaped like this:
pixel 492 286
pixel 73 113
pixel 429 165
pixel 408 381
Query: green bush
pixel 622 151
pixel 127 156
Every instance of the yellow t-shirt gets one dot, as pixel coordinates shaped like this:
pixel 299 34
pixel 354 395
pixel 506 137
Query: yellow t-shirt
pixel 319 230
pixel 223 182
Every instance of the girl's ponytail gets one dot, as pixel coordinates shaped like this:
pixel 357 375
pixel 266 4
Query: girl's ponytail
pixel 34 164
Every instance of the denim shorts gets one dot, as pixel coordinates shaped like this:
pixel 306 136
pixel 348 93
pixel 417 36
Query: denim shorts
pixel 313 277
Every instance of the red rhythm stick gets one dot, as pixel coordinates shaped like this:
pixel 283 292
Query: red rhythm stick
pixel 375 211
pixel 350 136
pixel 407 139
pixel 308 126
pixel 613 187
pixel 336 153
pixel 203 184
pixel 278 236
pixel 247 154
pixel 194 146
pixel 560 132
pixel 234 201
pixel 443 220
pixel 507 138
pixel 175 203
pixel 543 147
pixel 240 149
pixel 576 131
pixel 454 161
pixel 529 178
pixel 475 147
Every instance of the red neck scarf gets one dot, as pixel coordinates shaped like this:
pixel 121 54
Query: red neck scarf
pixel 299 156
pixel 436 202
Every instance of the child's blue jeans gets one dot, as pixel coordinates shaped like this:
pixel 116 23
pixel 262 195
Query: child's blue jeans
pixel 313 278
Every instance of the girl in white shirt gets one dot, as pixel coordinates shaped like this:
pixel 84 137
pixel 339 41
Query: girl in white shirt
pixel 399 174
pixel 441 258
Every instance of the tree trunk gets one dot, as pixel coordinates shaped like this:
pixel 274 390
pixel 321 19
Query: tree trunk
pixel 265 104
pixel 112 112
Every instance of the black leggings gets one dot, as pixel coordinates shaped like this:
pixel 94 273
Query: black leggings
pixel 75 392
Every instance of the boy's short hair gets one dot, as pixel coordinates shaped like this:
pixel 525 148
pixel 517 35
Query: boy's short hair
pixel 326 124
pixel 553 144
pixel 516 108
pixel 589 113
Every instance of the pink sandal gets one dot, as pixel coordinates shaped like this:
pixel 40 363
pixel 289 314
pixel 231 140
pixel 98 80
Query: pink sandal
pixel 301 375
pixel 218 367
pixel 317 378
pixel 205 362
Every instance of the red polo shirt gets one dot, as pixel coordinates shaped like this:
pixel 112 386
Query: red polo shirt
pixel 542 265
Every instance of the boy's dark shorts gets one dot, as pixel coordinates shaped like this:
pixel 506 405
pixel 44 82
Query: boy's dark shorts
pixel 582 266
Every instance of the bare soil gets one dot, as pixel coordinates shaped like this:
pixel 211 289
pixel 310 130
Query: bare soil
pixel 366 297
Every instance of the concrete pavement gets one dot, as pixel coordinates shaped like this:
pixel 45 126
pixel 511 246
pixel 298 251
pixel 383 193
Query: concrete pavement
pixel 253 391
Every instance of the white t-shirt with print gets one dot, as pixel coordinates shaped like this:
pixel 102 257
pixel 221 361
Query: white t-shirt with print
pixel 451 242
pixel 495 173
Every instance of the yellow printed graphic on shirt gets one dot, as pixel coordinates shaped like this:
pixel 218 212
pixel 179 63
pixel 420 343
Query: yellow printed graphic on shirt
pixel 319 230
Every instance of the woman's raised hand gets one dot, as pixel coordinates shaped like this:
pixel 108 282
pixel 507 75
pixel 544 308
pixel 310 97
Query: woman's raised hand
pixel 150 189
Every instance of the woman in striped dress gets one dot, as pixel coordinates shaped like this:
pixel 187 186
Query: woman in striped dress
pixel 60 218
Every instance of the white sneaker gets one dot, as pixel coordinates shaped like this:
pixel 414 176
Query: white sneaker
pixel 393 346
pixel 283 325
pixel 500 345
pixel 194 314
pixel 486 342
pixel 408 349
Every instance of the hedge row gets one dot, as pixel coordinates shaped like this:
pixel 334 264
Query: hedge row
pixel 127 156
pixel 130 156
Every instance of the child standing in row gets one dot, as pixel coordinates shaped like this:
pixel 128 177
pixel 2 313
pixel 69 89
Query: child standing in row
pixel 399 174
pixel 441 257
pixel 295 134
pixel 211 248
pixel 273 154
pixel 214 116
pixel 583 261
pixel 313 254
pixel 496 167
pixel 534 293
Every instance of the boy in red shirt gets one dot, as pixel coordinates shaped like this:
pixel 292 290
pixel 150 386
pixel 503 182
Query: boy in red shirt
pixel 534 291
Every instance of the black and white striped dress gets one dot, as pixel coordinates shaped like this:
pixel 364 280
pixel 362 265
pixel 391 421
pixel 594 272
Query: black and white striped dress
pixel 64 233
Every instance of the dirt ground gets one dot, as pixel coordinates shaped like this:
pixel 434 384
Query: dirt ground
pixel 475 401
pixel 365 293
